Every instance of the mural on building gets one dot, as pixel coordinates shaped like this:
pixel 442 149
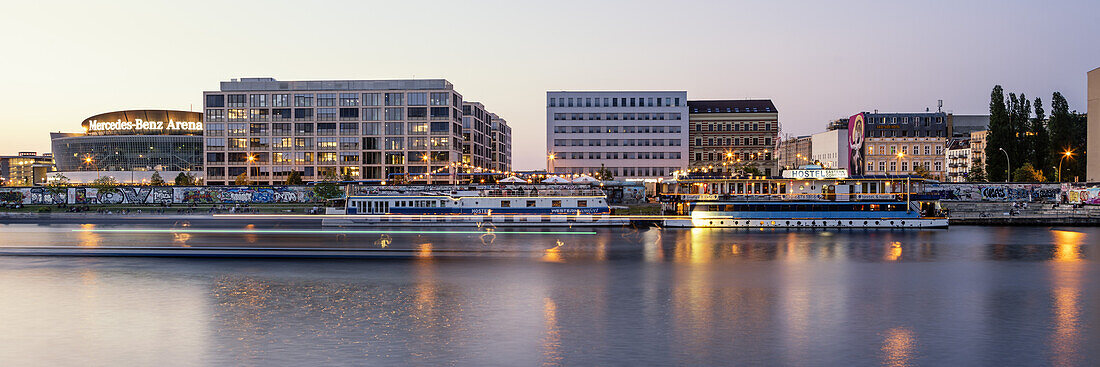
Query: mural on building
pixel 161 195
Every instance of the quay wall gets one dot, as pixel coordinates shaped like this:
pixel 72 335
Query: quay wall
pixel 160 195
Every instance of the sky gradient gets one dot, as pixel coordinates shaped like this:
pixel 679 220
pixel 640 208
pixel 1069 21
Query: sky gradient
pixel 65 61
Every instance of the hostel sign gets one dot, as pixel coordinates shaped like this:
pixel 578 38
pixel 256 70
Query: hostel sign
pixel 816 173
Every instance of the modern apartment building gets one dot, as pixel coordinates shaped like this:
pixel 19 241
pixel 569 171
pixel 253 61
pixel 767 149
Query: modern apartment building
pixel 476 136
pixel 896 143
pixel 792 153
pixel 1092 164
pixel 737 132
pixel 360 129
pixel 501 144
pixel 959 160
pixel 634 135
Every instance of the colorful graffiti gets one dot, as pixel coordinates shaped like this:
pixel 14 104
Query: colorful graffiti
pixel 994 192
pixel 161 195
pixel 1083 195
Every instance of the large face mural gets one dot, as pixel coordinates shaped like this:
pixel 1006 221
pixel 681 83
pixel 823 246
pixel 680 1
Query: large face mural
pixel 855 145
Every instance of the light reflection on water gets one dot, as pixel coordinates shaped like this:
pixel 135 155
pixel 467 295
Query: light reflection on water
pixel 965 296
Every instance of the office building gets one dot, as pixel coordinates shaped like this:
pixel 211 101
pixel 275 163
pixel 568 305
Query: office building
pixel 740 133
pixel 959 160
pixel 131 145
pixel 26 169
pixel 829 148
pixel 792 153
pixel 963 125
pixel 633 135
pixel 374 130
pixel 501 144
pixel 477 134
pixel 896 143
pixel 1092 169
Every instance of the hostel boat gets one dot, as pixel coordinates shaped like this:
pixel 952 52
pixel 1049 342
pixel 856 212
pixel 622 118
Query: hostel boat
pixel 507 205
pixel 813 198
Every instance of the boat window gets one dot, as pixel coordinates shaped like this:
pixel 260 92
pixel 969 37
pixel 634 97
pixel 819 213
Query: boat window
pixel 555 203
pixel 582 203
pixel 530 203
pixel 729 208
pixel 505 204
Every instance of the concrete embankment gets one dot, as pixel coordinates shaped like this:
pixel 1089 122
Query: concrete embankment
pixel 205 220
pixel 1035 214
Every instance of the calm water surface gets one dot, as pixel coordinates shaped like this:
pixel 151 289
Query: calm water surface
pixel 964 296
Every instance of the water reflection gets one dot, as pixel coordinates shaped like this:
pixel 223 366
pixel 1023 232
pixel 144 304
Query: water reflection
pixel 898 347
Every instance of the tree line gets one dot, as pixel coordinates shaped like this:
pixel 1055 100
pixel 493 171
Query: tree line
pixel 1023 139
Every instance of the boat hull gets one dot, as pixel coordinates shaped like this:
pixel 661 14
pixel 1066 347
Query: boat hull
pixel 732 222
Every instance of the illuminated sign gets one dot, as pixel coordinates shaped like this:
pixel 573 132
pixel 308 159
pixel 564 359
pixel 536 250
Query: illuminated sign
pixel 139 124
pixel 816 173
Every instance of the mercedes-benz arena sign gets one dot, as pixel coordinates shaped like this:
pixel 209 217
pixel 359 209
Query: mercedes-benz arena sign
pixel 145 122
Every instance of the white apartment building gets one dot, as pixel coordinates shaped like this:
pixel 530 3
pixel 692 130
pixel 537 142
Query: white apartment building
pixel 635 135
pixel 359 129
pixel 830 148
pixel 959 160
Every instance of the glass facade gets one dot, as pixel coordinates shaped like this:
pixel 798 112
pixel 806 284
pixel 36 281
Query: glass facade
pixel 128 153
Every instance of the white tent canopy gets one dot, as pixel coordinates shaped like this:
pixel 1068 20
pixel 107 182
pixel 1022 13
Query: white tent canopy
pixel 555 180
pixel 513 179
pixel 585 179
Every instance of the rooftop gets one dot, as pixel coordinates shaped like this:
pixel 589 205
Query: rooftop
pixel 732 106
pixel 258 84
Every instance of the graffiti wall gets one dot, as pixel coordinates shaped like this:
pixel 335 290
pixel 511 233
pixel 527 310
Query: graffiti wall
pixel 994 191
pixel 160 195
pixel 1082 194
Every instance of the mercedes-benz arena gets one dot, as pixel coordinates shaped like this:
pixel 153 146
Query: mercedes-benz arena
pixel 130 146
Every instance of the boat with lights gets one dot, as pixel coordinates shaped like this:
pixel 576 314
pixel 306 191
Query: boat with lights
pixel 445 205
pixel 807 198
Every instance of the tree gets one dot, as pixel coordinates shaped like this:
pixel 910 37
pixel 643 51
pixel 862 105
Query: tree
pixel 185 179
pixel 1040 137
pixel 294 178
pixel 920 170
pixel 156 180
pixel 327 188
pixel 977 174
pixel 604 174
pixel 1027 173
pixel 105 185
pixel 1000 136
pixel 59 184
pixel 241 180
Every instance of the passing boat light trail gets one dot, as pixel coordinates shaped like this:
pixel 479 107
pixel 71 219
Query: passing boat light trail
pixel 311 231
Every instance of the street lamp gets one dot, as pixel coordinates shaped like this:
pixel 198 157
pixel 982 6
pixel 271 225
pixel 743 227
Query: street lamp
pixel 427 167
pixel 900 156
pixel 1009 162
pixel 550 162
pixel 89 161
pixel 251 158
pixel 1066 154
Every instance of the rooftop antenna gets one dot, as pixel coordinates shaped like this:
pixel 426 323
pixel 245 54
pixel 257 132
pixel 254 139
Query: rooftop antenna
pixel 939 108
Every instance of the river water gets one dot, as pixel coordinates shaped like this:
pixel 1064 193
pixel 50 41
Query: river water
pixel 462 296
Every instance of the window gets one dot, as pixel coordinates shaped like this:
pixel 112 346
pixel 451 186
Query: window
pixel 281 129
pixel 328 129
pixel 372 114
pixel 394 113
pixel 215 100
pixel 257 129
pixel 280 100
pixel 349 99
pixel 440 98
pixel 372 99
pixel 257 100
pixel 348 114
pixel 215 143
pixel 214 115
pixel 417 113
pixel 238 114
pixel 349 128
pixel 418 128
pixel 584 203
pixel 372 143
pixel 258 114
pixel 418 99
pixel 395 99
pixel 303 129
pixel 530 203
pixel 395 143
pixel 505 203
pixel 280 114
pixel 327 143
pixel 326 100
pixel 395 128
pixel 327 114
pixel 303 114
pixel 303 100
pixel 555 203
pixel 237 100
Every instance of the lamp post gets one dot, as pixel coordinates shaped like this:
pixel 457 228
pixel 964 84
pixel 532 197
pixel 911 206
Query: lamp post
pixel 550 162
pixel 91 162
pixel 251 158
pixel 427 168
pixel 1066 154
pixel 900 156
pixel 1009 162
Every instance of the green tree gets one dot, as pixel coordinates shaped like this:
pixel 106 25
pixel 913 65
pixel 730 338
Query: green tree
pixel 977 174
pixel 105 184
pixel 1060 125
pixel 919 170
pixel 1027 173
pixel 604 174
pixel 294 178
pixel 156 180
pixel 1039 141
pixel 1000 136
pixel 58 185
pixel 327 189
pixel 241 180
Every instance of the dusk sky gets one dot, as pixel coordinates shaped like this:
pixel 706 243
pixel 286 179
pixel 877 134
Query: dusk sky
pixel 64 61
